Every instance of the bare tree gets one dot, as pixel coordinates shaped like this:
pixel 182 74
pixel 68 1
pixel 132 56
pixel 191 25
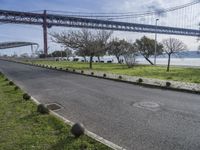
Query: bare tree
pixel 172 46
pixel 85 42
pixel 130 53
pixel 68 52
pixel 115 47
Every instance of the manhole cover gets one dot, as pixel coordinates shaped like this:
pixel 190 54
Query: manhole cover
pixel 147 105
pixel 53 106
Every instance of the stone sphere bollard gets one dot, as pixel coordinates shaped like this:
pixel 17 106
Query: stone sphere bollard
pixel 168 84
pixel 26 96
pixel 42 109
pixel 77 130
pixel 140 80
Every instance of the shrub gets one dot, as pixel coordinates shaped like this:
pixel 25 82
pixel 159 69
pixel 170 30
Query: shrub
pixel 67 69
pixel 77 130
pixel 120 77
pixel 26 96
pixel 41 108
pixel 60 68
pixel 104 75
pixel 16 88
pixel 6 79
pixel 74 70
pixel 82 71
pixel 140 80
pixel 11 83
pixel 55 67
pixel 92 73
pixel 168 84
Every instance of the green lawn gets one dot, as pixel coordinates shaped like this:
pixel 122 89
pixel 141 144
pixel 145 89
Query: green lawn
pixel 158 72
pixel 22 128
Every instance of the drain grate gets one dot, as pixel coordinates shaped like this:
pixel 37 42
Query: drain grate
pixel 53 106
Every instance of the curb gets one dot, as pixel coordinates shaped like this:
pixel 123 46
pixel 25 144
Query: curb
pixel 92 74
pixel 87 132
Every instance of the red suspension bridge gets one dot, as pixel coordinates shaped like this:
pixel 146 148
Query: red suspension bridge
pixel 98 21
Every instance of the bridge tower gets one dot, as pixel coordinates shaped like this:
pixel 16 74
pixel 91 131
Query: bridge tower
pixel 45 33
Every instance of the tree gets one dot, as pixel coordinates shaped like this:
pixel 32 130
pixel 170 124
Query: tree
pixel 129 52
pixel 58 53
pixel 146 47
pixel 102 42
pixel 115 48
pixel 24 55
pixel 65 53
pixel 40 53
pixel 85 42
pixel 172 46
pixel 68 52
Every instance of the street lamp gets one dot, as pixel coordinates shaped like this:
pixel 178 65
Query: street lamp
pixel 155 53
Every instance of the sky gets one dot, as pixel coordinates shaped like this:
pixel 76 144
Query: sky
pixel 31 33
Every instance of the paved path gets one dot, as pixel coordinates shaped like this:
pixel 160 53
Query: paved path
pixel 134 117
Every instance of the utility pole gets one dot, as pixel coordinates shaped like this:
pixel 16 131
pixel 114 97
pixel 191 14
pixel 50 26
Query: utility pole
pixel 45 33
pixel 155 52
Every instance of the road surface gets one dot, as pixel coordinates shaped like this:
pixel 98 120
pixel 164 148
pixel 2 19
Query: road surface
pixel 134 117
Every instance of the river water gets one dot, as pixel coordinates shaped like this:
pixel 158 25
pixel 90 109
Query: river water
pixel 174 61
pixel 190 62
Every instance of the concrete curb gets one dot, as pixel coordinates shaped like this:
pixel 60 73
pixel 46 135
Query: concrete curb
pixel 159 84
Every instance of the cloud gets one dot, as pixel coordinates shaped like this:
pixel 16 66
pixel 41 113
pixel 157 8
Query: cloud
pixel 159 11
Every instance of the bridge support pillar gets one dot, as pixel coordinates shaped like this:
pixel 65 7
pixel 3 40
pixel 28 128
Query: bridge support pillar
pixel 45 33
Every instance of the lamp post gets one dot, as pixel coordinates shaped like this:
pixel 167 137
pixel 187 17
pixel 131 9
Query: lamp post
pixel 155 52
pixel 199 35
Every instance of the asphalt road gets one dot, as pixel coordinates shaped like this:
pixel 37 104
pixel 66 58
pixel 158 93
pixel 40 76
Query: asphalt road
pixel 131 116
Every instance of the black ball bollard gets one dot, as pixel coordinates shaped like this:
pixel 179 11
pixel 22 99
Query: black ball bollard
pixel 77 130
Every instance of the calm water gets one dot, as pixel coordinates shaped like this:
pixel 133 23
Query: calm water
pixel 174 61
pixel 195 62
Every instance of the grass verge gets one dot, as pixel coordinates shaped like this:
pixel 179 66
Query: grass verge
pixel 21 127
pixel 159 72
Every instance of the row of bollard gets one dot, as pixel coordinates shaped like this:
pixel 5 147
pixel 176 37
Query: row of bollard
pixel 139 81
pixel 77 129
